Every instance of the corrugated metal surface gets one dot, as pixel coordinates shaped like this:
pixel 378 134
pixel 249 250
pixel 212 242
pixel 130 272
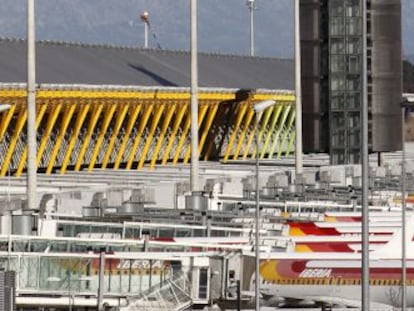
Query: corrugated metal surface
pixel 86 64
pixel 7 290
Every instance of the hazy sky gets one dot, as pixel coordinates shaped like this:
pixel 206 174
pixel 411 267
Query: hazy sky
pixel 223 24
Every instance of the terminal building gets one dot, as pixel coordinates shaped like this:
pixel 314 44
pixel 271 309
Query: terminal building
pixel 113 108
pixel 111 232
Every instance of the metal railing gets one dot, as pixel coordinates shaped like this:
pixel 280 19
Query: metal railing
pixel 172 294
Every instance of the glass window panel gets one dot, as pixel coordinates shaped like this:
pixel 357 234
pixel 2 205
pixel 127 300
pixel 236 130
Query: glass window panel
pixel 354 121
pixel 338 139
pixel 337 84
pixel 337 26
pixel 354 139
pixel 353 83
pixel 336 8
pixel 352 8
pixel 354 100
pixel 337 101
pixel 338 121
pixel 354 157
pixel 353 26
pixel 203 283
pixel 353 46
pixel 354 64
pixel 338 156
pixel 337 63
pixel 28 273
pixel 337 46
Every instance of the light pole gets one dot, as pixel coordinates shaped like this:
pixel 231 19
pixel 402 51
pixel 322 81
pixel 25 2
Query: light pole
pixel 258 109
pixel 194 178
pixel 407 103
pixel 252 6
pixel 145 19
pixel 31 107
pixel 298 94
pixel 365 166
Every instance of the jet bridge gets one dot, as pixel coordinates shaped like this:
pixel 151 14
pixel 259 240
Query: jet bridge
pixel 120 280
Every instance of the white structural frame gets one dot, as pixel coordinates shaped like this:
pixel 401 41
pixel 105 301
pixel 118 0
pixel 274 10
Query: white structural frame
pixel 258 108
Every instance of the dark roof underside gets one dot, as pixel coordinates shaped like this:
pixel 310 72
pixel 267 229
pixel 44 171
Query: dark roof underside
pixel 85 64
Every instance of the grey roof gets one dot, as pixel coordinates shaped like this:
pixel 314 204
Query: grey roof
pixel 68 63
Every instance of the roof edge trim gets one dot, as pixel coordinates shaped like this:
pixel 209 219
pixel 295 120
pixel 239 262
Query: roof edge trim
pixel 133 88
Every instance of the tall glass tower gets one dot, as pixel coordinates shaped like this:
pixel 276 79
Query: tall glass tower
pixel 331 33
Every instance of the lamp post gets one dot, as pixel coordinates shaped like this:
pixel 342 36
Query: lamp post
pixel 145 19
pixel 407 103
pixel 364 166
pixel 298 94
pixel 251 5
pixel 31 107
pixel 194 174
pixel 258 108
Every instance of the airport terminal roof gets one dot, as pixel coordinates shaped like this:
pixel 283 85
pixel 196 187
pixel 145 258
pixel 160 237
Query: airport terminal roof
pixel 70 63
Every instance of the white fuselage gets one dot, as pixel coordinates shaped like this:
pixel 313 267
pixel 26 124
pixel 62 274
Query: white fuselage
pixel 383 294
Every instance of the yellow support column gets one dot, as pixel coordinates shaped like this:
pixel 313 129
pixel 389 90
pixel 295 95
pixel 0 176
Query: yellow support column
pixel 211 115
pixel 96 113
pixel 110 110
pixel 182 139
pixel 41 109
pixel 292 138
pixel 5 120
pixel 155 120
pixel 272 126
pixel 118 123
pixel 141 129
pixel 201 116
pixel 262 128
pixel 242 136
pixel 173 135
pixel 81 116
pixel 67 117
pixel 251 125
pixel 285 113
pixel 287 129
pixel 264 125
pixel 131 123
pixel 165 125
pixel 242 108
pixel 51 120
pixel 290 146
pixel 21 121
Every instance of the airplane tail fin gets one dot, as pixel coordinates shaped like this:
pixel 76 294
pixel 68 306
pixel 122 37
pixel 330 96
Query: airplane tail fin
pixel 393 248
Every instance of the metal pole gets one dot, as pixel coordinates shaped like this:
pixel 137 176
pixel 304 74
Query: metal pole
pixel 257 218
pixel 101 290
pixel 31 107
pixel 403 223
pixel 298 93
pixel 251 5
pixel 239 306
pixel 194 182
pixel 364 156
pixel 146 35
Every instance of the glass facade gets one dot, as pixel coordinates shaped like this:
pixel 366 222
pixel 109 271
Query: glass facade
pixel 332 59
pixel 345 79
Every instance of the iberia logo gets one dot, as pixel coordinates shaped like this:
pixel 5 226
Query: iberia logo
pixel 315 273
